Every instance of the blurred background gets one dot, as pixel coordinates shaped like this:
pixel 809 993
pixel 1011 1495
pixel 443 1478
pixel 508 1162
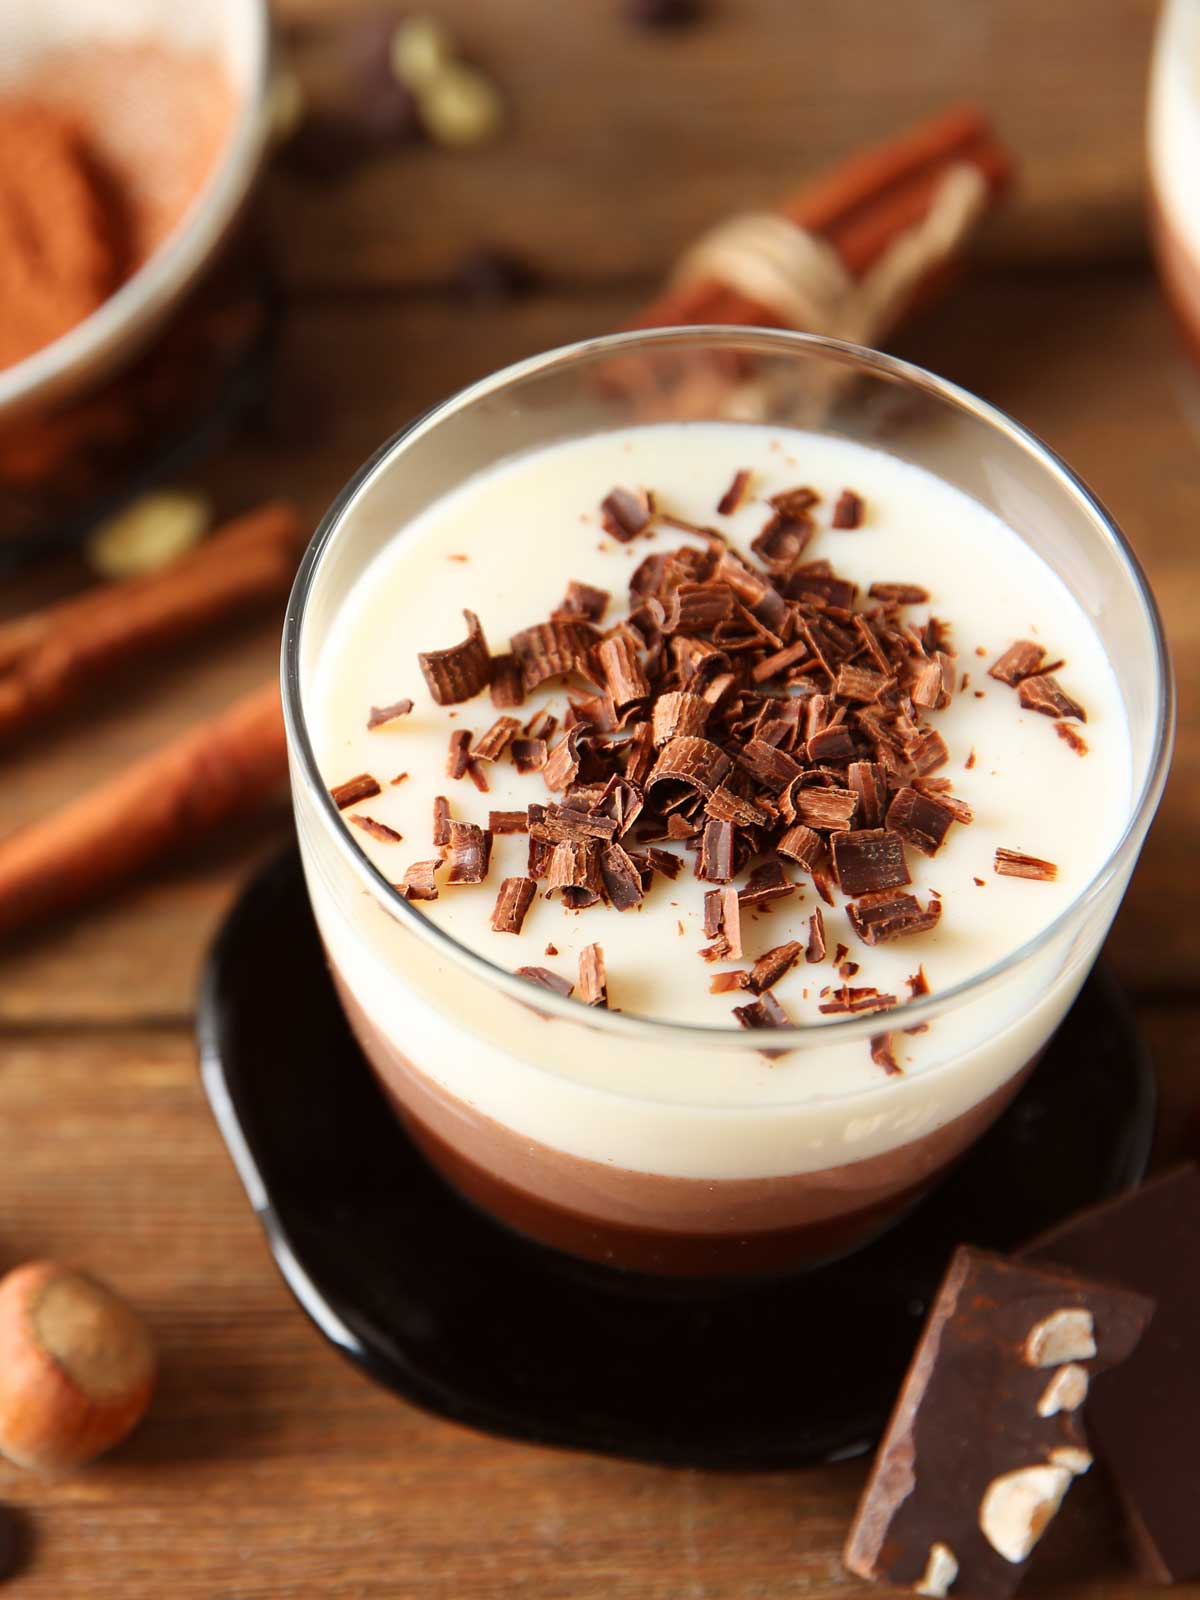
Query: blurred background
pixel 385 231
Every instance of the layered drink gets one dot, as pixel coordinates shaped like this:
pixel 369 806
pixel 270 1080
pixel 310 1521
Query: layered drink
pixel 706 891
pixel 1174 158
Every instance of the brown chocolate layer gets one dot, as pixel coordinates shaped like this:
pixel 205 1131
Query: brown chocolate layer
pixel 649 1222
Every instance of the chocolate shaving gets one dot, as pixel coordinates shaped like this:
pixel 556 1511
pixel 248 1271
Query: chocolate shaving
pixel 441 821
pixel 460 671
pixel 581 600
pixel 869 860
pixel 623 673
pixel 850 1001
pixel 529 755
pixel 399 778
pixel 468 853
pixel 1013 864
pixel 835 743
pixel 727 982
pixel 545 979
pixel 679 714
pixel 1020 660
pixel 690 763
pixel 508 683
pixel 781 542
pixel 507 822
pixel 459 754
pixel 883 1054
pixel 767 882
pixel 377 830
pixel 364 787
pixel 715 863
pixel 513 901
pixel 733 496
pixel 418 881
pixel 561 767
pixel 593 980
pixel 860 683
pixel 553 650
pixel 918 984
pixel 899 594
pixel 891 914
pixel 800 844
pixel 867 781
pixel 477 775
pixel 771 966
pixel 815 948
pixel 726 806
pixel 795 503
pixel 825 809
pixel 1072 737
pixel 497 739
pixel 772 768
pixel 765 1012
pixel 626 512
pixel 621 878
pixel 927 751
pixel 568 825
pixel 381 715
pixel 575 869
pixel 848 511
pixel 1045 694
pixel 922 820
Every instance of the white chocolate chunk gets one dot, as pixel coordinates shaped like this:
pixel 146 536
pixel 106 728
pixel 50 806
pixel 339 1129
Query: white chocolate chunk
pixel 1076 1460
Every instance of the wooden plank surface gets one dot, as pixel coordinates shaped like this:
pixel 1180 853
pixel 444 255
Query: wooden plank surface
pixel 269 1469
pixel 624 143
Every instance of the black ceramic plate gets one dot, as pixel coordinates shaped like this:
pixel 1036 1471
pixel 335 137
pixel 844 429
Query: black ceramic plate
pixel 464 1318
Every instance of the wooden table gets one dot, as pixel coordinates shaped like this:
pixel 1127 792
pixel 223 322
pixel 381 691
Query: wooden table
pixel 268 1468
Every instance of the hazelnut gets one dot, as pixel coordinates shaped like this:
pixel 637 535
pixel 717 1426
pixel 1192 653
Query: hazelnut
pixel 941 1569
pixel 1066 1391
pixel 1073 1457
pixel 1067 1335
pixel 1019 1506
pixel 77 1367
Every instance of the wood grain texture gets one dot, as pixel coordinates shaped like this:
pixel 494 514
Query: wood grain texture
pixel 625 143
pixel 269 1469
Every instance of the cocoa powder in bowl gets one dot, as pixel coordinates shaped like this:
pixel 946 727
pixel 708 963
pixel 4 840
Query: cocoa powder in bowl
pixel 103 149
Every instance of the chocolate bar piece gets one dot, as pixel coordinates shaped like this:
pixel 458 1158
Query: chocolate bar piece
pixel 985 1437
pixel 1145 1418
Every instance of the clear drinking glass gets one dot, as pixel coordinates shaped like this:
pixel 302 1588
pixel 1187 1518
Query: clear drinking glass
pixel 509 1100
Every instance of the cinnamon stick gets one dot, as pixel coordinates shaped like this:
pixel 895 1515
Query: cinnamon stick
pixel 222 769
pixel 859 208
pixel 47 659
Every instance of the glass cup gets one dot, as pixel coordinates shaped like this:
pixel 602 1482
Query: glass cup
pixel 1173 149
pixel 508 1098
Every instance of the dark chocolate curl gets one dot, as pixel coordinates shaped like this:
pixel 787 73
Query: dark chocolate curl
pixel 461 671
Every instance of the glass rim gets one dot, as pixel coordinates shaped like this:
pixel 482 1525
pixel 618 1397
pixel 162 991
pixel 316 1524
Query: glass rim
pixel 803 1035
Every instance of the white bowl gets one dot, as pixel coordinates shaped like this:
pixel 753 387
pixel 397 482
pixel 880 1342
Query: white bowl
pixel 238 33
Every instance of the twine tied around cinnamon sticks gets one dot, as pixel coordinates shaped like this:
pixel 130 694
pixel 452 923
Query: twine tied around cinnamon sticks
pixel 799 277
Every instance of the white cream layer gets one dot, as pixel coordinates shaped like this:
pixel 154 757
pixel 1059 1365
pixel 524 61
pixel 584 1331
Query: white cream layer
pixel 525 529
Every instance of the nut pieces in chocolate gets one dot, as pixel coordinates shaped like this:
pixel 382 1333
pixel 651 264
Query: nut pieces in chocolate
pixel 986 1436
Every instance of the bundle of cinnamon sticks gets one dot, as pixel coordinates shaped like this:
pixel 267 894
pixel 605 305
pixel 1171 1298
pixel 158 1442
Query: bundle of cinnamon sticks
pixel 850 254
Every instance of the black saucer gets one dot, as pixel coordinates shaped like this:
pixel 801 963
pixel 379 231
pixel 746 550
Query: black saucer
pixel 461 1317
